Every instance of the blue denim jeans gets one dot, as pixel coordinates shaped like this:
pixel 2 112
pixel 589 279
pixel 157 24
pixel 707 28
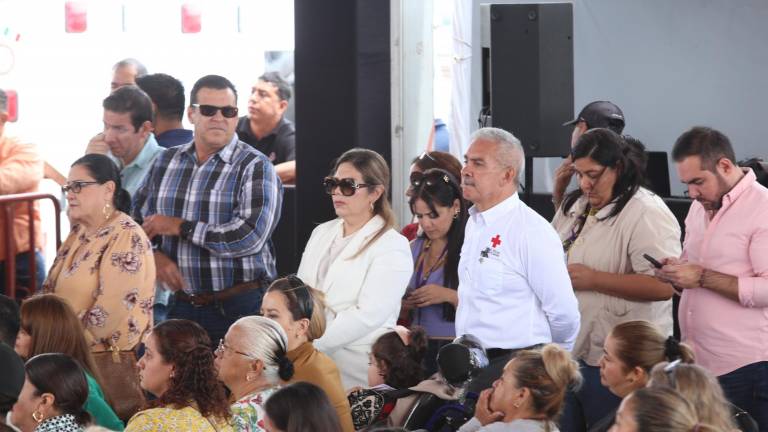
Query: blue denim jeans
pixel 747 388
pixel 22 271
pixel 590 404
pixel 217 317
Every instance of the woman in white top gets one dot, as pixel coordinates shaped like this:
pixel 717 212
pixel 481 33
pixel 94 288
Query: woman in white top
pixel 359 261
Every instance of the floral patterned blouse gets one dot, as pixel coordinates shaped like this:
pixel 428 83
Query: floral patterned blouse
pixel 186 419
pixel 62 423
pixel 248 412
pixel 108 278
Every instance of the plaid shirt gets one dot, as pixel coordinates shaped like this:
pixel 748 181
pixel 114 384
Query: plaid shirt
pixel 234 198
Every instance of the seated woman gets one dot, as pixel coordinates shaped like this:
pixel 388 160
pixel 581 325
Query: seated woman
pixel 48 325
pixel 431 297
pixel 701 388
pixel 394 364
pixel 632 349
pixel 607 225
pixel 300 311
pixel 420 164
pixel 316 413
pixel 659 410
pixel 529 395
pixel 177 368
pixel 105 269
pixel 359 261
pixel 251 361
pixel 53 397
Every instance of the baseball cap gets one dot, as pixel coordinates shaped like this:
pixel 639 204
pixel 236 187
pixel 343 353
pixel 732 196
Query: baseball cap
pixel 13 372
pixel 599 114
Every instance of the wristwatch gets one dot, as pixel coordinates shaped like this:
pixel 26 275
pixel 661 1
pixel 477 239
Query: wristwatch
pixel 186 229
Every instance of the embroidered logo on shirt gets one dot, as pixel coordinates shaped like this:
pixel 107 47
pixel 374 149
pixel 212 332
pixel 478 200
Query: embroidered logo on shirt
pixel 495 241
pixel 491 251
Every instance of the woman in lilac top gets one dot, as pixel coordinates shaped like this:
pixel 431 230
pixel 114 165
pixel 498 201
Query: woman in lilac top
pixel 431 298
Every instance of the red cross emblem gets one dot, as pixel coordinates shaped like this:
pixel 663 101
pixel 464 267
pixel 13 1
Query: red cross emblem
pixel 495 241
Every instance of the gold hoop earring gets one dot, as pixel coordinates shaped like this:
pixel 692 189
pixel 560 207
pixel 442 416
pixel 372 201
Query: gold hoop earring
pixel 35 416
pixel 107 211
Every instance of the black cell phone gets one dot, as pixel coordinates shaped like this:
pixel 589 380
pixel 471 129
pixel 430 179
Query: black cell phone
pixel 653 261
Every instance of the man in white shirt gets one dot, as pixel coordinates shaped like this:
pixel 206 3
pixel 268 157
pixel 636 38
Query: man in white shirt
pixel 514 289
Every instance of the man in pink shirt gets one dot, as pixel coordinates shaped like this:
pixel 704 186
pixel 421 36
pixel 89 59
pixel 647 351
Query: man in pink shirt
pixel 723 272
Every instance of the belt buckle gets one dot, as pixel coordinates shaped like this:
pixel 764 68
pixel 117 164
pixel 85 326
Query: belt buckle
pixel 194 300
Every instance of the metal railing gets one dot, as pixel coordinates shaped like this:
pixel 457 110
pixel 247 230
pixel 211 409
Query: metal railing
pixel 7 204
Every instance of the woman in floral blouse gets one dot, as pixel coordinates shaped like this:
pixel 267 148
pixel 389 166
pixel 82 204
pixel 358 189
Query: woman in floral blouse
pixel 252 363
pixel 177 368
pixel 105 269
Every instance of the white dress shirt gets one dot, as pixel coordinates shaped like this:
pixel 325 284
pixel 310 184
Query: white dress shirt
pixel 514 288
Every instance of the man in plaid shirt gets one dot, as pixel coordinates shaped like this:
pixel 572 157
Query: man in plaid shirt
pixel 211 206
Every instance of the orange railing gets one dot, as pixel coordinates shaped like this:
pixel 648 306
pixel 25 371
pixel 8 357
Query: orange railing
pixel 7 205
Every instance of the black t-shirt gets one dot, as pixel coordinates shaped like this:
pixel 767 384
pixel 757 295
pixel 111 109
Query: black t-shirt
pixel 279 145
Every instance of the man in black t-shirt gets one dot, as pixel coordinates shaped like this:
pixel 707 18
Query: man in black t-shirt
pixel 266 129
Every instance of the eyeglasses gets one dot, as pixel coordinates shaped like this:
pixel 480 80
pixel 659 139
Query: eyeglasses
pixel 670 371
pixel 222 347
pixel 347 186
pixel 76 186
pixel 210 110
pixel 429 178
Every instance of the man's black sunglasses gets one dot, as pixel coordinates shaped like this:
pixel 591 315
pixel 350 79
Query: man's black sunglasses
pixel 347 186
pixel 210 110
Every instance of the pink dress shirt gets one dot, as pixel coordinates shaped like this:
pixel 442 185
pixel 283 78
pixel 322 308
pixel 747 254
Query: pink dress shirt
pixel 727 335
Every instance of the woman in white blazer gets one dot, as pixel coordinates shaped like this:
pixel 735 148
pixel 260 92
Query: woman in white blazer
pixel 359 261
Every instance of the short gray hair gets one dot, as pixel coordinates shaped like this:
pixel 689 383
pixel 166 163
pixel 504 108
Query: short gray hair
pixel 263 339
pixel 141 70
pixel 3 101
pixel 509 153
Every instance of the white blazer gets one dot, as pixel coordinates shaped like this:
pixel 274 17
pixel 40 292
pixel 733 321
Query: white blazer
pixel 363 293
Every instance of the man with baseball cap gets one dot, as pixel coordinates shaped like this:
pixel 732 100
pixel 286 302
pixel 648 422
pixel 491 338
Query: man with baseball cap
pixel 597 114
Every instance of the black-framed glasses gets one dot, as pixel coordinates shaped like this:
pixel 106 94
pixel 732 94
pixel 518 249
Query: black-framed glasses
pixel 303 296
pixel 347 186
pixel 224 347
pixel 76 186
pixel 670 371
pixel 210 110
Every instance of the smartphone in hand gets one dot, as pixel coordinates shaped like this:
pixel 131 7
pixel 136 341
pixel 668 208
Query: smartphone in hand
pixel 653 261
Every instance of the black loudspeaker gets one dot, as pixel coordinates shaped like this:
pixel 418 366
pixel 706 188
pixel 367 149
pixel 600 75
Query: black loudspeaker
pixel 531 79
pixel 657 173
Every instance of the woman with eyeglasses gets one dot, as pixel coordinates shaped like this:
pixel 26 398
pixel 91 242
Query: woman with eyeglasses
pixel 701 388
pixel 359 261
pixel 431 299
pixel 251 361
pixel 631 350
pixel 105 269
pixel 608 225
pixel 178 369
pixel 420 164
pixel 300 311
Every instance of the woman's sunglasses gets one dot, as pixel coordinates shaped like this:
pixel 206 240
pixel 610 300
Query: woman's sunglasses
pixel 210 110
pixel 347 186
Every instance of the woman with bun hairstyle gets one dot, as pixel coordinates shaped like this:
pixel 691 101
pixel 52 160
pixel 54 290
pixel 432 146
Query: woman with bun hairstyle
pixel 105 269
pixel 178 369
pixel 659 410
pixel 395 363
pixel 252 363
pixel 530 393
pixel 53 397
pixel 300 311
pixel 632 349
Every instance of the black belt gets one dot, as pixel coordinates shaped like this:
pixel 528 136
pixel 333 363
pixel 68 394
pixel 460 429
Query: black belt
pixel 494 353
pixel 208 298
